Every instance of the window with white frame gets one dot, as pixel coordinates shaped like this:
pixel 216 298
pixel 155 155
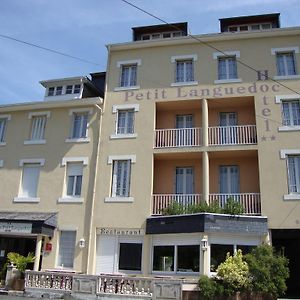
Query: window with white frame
pixel 72 191
pixel 125 120
pixel 121 178
pixel 38 125
pixel 30 175
pixel 67 241
pixel 74 179
pixel 184 70
pixel 227 66
pixel 291 113
pixel 128 74
pixel 80 122
pixel 3 122
pixel 125 123
pixel 286 62
pixel 293 162
pixel 121 174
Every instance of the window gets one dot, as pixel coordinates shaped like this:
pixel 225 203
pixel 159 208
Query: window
pixel 121 174
pixel 177 258
pixel 128 75
pixel 80 121
pixel 77 88
pixel 69 89
pixel 125 121
pixel 58 90
pixel 51 91
pixel 67 241
pixel 130 256
pixel 184 180
pixel 74 179
pixel 184 71
pixel 2 129
pixel 229 180
pixel 30 180
pixel 294 174
pixel 228 130
pixel 38 125
pixel 227 68
pixel 291 113
pixel 286 62
pixel 121 178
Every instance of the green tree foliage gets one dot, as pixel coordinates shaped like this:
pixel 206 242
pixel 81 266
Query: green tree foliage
pixel 268 270
pixel 20 261
pixel 209 287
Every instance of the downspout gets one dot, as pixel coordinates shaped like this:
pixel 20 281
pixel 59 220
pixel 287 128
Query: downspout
pixel 89 244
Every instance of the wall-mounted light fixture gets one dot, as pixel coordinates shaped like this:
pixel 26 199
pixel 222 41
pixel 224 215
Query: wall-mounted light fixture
pixel 204 244
pixel 81 243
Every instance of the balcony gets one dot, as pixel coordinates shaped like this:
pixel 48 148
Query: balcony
pixel 184 137
pixel 217 136
pixel 250 201
pixel 232 135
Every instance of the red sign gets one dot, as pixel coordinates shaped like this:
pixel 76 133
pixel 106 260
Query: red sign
pixel 48 247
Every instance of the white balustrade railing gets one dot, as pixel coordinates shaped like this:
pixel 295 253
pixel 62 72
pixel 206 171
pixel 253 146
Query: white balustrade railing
pixel 139 286
pixel 250 201
pixel 49 280
pixel 162 201
pixel 183 137
pixel 232 135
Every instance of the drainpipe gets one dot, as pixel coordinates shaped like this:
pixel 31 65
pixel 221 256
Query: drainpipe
pixel 90 233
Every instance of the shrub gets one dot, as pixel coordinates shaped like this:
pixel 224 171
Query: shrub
pixel 234 272
pixel 209 287
pixel 233 207
pixel 174 208
pixel 20 261
pixel 268 270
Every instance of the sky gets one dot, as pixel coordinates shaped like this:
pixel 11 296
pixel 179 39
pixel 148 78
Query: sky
pixel 82 28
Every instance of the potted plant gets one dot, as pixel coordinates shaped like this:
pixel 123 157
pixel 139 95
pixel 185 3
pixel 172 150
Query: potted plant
pixel 19 262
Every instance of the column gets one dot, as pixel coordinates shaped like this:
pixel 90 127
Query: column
pixel 38 249
pixel 205 176
pixel 204 123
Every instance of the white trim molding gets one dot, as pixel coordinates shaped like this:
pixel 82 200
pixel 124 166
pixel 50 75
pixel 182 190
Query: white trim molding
pixel 129 62
pixel 233 80
pixel 183 83
pixel 70 200
pixel 80 110
pixel 175 58
pixel 67 228
pixel 285 49
pixel 289 128
pixel 78 140
pixel 216 55
pixel 26 200
pixel 34 142
pixel 285 152
pixel 39 113
pixel 6 116
pixel 83 159
pixel 123 136
pixel 115 108
pixel 286 77
pixel 111 158
pixel 119 199
pixel 1 163
pixel 291 197
pixel 40 161
pixel 124 88
pixel 279 98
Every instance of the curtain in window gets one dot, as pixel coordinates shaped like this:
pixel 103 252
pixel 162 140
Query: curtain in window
pixel 74 171
pixel 30 179
pixel 184 180
pixel 229 180
pixel 80 125
pixel 121 178
pixel 38 128
pixel 2 129
pixel 125 121
pixel 290 64
pixel 296 112
pixel 66 248
pixel 294 174
pixel 232 70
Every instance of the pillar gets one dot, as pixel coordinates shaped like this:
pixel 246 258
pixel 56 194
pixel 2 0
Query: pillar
pixel 38 250
pixel 204 123
pixel 205 176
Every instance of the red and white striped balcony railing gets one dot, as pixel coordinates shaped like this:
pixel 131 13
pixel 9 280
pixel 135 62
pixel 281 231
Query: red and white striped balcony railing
pixel 232 135
pixel 250 201
pixel 183 137
pixel 162 201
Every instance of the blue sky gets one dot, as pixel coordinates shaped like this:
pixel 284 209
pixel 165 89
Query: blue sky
pixel 82 28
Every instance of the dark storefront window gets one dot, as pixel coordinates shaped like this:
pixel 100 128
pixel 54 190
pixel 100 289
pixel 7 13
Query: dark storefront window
pixel 130 257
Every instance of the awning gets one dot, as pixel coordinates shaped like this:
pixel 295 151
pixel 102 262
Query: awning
pixel 23 223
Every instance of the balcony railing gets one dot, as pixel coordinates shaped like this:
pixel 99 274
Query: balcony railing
pixel 162 201
pixel 184 137
pixel 249 201
pixel 232 135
